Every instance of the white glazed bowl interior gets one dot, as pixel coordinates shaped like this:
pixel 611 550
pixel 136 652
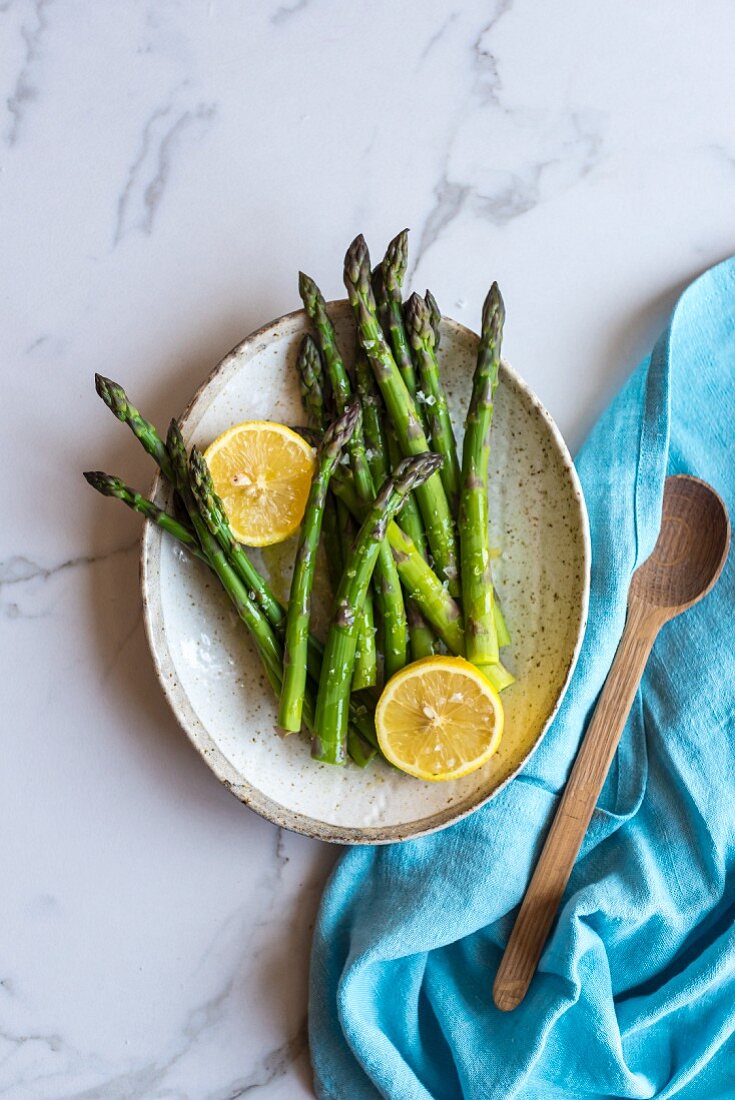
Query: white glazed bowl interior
pixel 212 676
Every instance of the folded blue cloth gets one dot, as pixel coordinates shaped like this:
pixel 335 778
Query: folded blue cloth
pixel 635 993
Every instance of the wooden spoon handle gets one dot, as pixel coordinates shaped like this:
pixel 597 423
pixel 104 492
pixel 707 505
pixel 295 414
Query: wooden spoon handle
pixel 573 815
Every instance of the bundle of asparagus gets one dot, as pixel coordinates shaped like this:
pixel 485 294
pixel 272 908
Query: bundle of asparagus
pixel 404 523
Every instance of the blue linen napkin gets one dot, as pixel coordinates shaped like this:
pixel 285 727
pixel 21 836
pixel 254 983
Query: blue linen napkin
pixel 635 994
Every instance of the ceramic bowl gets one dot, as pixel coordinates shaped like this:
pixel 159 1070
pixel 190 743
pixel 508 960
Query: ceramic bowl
pixel 212 677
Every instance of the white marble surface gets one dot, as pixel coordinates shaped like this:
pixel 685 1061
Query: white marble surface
pixel 166 168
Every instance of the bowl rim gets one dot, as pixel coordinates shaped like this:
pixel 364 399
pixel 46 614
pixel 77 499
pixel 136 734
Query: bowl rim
pixel 195 729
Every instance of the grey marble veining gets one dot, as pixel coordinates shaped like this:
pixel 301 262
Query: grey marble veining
pixel 166 170
pixel 23 581
pixel 284 11
pixel 163 134
pixel 436 38
pixel 533 153
pixel 25 88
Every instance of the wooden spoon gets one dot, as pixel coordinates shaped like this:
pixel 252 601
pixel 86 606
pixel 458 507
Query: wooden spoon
pixel 688 558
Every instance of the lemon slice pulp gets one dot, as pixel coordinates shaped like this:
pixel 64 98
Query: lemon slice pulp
pixel 262 472
pixel 439 719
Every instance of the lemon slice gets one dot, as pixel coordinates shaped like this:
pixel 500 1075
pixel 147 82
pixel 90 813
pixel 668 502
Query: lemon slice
pixel 262 471
pixel 439 718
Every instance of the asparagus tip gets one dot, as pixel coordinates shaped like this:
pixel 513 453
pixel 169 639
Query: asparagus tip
pixel 308 359
pixel 198 465
pixel 102 482
pixel 418 320
pixel 311 295
pixel 396 261
pixel 399 242
pixel 409 474
pixel 493 311
pixel 340 431
pixel 414 471
pixel 357 264
pixel 177 450
pixel 200 481
pixel 112 394
pixel 435 316
pixel 414 304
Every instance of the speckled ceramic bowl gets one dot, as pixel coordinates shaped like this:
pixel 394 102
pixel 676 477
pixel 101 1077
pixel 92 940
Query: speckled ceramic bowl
pixel 212 676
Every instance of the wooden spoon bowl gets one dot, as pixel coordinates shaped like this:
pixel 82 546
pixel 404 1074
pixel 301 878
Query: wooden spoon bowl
pixel 690 551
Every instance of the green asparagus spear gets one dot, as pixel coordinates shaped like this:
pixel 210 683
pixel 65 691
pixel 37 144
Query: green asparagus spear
pixel 326 338
pixel 360 751
pixel 501 626
pixel 411 521
pixel 387 585
pixel 393 270
pixel 433 599
pixel 430 494
pixel 481 639
pixel 266 640
pixel 361 711
pixel 362 726
pixel 113 487
pixel 395 263
pixel 381 300
pixel 312 384
pixel 331 541
pixel 299 604
pixel 390 603
pixel 436 317
pixel 375 445
pixel 394 613
pixel 424 587
pixel 365 663
pixel 417 577
pixel 339 379
pixel 420 633
pixel 117 402
pixel 388 294
pixel 421 335
pixel 365 671
pixel 341 387
pixel 250 613
pixel 337 375
pixel 315 383
pixel 339 653
pixel 213 512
